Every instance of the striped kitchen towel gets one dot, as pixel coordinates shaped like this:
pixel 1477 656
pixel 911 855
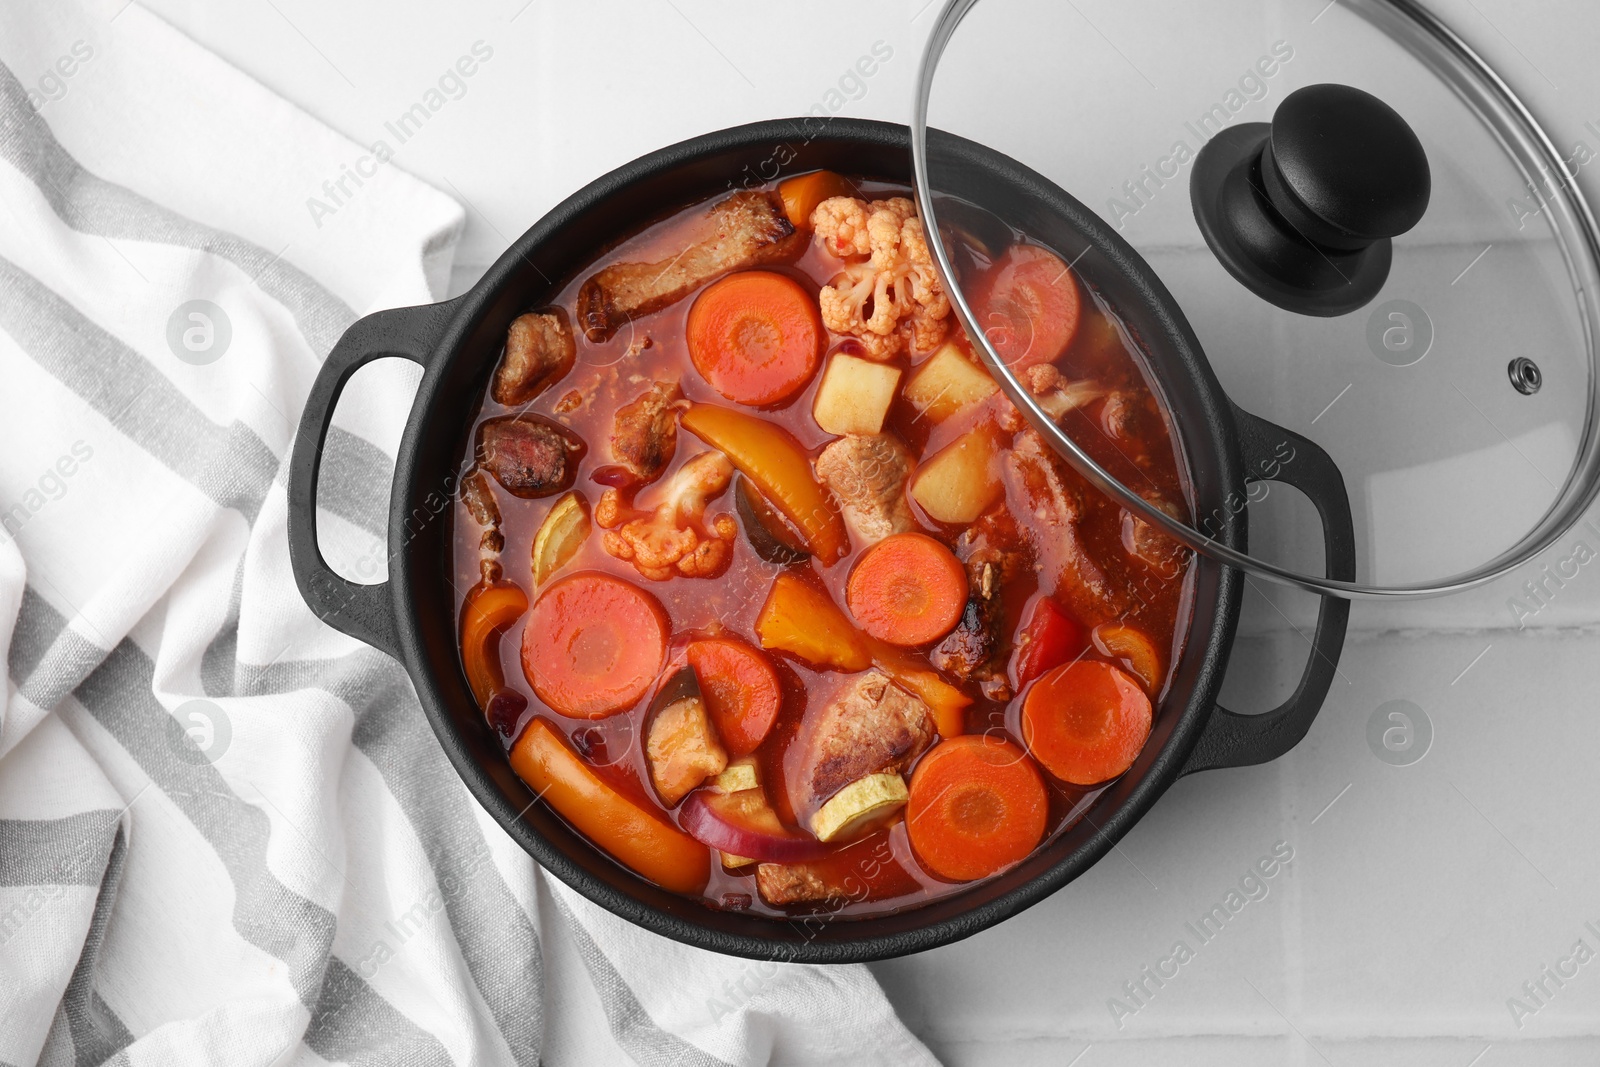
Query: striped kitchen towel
pixel 227 834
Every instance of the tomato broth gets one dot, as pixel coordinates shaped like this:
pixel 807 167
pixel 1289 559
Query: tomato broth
pixel 1123 427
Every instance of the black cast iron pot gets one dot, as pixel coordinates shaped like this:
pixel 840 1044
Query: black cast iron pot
pixel 412 616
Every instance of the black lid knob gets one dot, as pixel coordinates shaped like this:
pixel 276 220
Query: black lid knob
pixel 1348 162
pixel 1302 211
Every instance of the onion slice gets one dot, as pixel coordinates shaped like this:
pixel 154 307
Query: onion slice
pixel 744 824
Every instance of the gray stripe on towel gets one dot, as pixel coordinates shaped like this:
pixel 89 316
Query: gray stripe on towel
pixel 90 204
pixel 230 464
pixel 266 913
pixel 70 850
pixel 497 940
pixel 97 1033
pixel 635 1032
pixel 351 1023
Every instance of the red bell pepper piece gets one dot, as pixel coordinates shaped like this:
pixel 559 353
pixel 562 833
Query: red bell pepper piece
pixel 1049 638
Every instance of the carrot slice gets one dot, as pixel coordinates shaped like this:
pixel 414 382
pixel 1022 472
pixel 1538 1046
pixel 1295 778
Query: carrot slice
pixel 1031 307
pixel 907 589
pixel 802 194
pixel 769 455
pixel 977 806
pixel 1086 721
pixel 755 336
pixel 488 610
pixel 593 645
pixel 741 690
pixel 631 833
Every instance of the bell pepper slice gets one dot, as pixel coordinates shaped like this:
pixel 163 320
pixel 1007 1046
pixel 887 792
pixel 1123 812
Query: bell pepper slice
pixel 769 455
pixel 633 835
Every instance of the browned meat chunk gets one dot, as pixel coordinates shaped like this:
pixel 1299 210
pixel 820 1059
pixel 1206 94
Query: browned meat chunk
pixel 683 746
pixel 529 455
pixel 852 876
pixel 783 884
pixel 485 510
pixel 872 725
pixel 1040 482
pixel 1058 394
pixel 1045 487
pixel 746 229
pixel 971 650
pixel 646 431
pixel 539 352
pixel 1146 543
pixel 867 475
pixel 976 650
pixel 1122 417
pixel 479 498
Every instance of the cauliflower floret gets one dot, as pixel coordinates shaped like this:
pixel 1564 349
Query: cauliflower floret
pixel 849 228
pixel 1056 394
pixel 924 278
pixel 840 223
pixel 1059 394
pixel 671 538
pixel 893 297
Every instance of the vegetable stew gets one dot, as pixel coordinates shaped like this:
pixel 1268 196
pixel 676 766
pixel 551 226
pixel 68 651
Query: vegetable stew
pixel 767 588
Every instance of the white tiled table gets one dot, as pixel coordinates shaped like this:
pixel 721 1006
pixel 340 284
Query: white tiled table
pixel 1419 898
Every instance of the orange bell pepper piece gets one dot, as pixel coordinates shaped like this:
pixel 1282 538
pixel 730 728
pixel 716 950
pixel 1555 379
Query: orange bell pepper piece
pixel 802 194
pixel 635 836
pixel 769 456
pixel 488 610
pixel 803 620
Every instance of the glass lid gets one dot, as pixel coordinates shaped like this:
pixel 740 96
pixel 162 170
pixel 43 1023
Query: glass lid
pixel 1375 245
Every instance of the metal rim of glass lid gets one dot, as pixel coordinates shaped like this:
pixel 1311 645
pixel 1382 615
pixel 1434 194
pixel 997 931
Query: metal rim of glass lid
pixel 1438 342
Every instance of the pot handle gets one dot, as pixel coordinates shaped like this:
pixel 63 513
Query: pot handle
pixel 365 612
pixel 1234 740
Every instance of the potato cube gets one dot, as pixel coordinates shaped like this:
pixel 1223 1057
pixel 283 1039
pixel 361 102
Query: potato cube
pixel 683 747
pixel 855 395
pixel 960 482
pixel 740 775
pixel 948 382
